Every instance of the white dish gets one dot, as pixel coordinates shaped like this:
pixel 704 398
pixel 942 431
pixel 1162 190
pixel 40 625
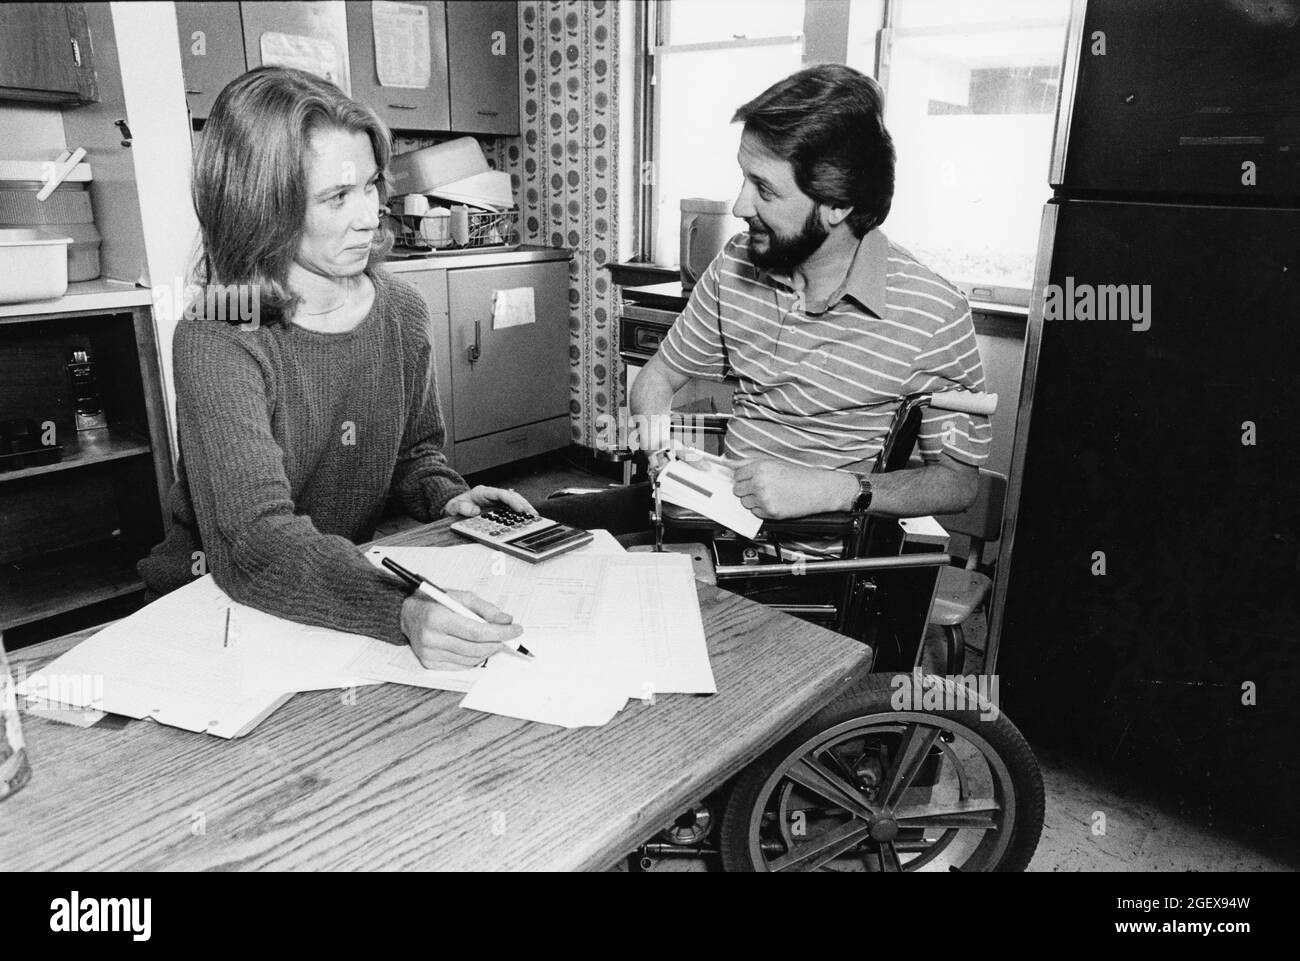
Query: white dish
pixel 33 265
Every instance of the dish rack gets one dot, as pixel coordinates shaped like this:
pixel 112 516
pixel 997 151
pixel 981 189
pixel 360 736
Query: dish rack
pixel 487 229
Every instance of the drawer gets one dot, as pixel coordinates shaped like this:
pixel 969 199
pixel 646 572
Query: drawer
pixel 512 445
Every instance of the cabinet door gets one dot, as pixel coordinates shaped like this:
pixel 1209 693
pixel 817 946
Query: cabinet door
pixel 432 285
pixel 212 51
pixel 483 65
pixel 402 108
pixel 40 57
pixel 522 373
pixel 312 28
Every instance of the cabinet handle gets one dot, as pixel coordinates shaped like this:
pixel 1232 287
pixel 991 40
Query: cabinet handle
pixel 487 113
pixel 402 106
pixel 476 348
pixel 76 51
pixel 193 93
pixel 516 440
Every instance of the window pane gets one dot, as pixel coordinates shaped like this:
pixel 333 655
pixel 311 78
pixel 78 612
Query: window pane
pixel 698 93
pixel 708 21
pixel 971 105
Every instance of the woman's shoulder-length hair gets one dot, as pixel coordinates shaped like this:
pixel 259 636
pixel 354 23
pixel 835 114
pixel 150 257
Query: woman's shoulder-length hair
pixel 249 184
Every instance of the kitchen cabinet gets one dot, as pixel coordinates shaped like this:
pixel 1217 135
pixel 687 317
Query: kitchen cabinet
pixel 504 391
pixel 212 51
pixel 45 53
pixel 72 530
pixel 402 108
pixel 313 35
pixel 483 66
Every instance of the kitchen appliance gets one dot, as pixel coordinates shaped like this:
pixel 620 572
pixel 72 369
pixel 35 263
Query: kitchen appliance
pixel 706 228
pixel 1147 604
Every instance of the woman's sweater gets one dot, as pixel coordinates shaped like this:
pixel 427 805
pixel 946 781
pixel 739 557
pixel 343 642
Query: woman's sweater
pixel 290 441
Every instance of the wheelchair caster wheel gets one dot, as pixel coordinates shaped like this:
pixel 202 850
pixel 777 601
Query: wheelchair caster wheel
pixel 863 786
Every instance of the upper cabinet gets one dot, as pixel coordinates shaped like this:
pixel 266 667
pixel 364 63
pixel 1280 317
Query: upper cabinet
pixel 430 66
pixel 400 68
pixel 212 51
pixel 45 53
pixel 311 35
pixel 483 66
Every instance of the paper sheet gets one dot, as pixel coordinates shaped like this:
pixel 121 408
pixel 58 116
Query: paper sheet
pixel 705 487
pixel 175 662
pixel 603 626
pixel 513 308
pixel 313 54
pixel 401 44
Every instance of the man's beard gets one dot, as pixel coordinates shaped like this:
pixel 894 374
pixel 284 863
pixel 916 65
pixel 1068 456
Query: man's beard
pixel 788 252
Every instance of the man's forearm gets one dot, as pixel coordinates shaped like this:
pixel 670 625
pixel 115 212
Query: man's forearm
pixel 934 489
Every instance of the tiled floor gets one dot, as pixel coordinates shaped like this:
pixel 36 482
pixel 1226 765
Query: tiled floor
pixel 1139 832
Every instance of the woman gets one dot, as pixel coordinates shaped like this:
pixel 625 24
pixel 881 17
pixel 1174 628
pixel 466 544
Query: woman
pixel 295 428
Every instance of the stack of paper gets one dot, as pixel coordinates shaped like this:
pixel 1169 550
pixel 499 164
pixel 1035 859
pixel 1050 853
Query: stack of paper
pixel 197 660
pixel 603 625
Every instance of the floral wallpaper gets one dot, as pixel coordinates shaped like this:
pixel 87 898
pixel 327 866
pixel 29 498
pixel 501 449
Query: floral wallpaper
pixel 565 166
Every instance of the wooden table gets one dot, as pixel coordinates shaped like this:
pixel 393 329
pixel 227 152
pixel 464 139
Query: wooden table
pixel 405 779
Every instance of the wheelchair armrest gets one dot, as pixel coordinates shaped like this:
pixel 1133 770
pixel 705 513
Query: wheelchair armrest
pixel 831 524
pixel 834 524
pixel 702 423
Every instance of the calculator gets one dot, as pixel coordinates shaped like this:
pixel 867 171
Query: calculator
pixel 527 536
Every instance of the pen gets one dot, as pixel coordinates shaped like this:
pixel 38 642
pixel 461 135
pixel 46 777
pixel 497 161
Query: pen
pixel 431 590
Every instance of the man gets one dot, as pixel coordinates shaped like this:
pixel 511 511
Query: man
pixel 825 323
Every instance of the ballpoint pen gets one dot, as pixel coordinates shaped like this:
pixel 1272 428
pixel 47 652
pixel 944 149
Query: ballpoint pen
pixel 423 585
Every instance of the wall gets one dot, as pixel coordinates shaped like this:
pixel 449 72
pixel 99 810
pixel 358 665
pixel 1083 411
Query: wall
pixel 30 131
pixel 566 173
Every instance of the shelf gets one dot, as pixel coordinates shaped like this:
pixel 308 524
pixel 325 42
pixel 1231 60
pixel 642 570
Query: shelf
pixel 86 447
pixel 66 580
pixel 86 295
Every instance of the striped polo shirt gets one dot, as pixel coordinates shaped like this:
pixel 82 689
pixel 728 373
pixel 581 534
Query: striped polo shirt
pixel 819 383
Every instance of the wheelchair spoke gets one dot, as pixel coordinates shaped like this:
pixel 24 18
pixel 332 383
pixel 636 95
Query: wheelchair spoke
pixel 811 773
pixel 963 814
pixel 888 858
pixel 911 754
pixel 811 855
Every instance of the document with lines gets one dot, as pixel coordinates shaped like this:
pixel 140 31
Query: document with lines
pixel 603 627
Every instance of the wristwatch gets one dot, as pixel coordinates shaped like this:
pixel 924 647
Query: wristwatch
pixel 863 501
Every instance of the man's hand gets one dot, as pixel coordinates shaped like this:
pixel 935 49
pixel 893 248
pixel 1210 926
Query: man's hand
pixel 475 499
pixel 443 640
pixel 775 490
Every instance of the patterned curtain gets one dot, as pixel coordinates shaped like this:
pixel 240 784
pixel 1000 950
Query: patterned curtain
pixel 565 167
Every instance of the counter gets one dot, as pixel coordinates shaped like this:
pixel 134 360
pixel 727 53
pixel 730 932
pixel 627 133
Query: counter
pixel 487 257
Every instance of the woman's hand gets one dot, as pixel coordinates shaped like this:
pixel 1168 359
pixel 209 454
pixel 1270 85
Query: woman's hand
pixel 475 499
pixel 446 641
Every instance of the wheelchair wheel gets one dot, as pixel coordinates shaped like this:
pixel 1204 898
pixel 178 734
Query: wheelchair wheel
pixel 863 786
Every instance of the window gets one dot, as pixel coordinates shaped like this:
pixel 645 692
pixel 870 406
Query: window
pixel 711 56
pixel 970 94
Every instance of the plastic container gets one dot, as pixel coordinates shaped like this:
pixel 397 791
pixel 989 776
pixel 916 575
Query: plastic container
pixel 69 204
pixel 706 227
pixel 423 171
pixel 33 264
pixel 83 255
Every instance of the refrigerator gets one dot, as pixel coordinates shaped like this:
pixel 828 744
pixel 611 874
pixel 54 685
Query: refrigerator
pixel 1145 612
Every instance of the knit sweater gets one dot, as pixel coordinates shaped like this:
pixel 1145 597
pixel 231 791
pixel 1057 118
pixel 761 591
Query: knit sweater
pixel 290 442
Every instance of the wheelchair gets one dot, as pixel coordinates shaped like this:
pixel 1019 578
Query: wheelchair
pixel 903 771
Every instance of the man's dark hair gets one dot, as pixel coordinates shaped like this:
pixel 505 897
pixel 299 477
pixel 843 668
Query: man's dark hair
pixel 828 122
